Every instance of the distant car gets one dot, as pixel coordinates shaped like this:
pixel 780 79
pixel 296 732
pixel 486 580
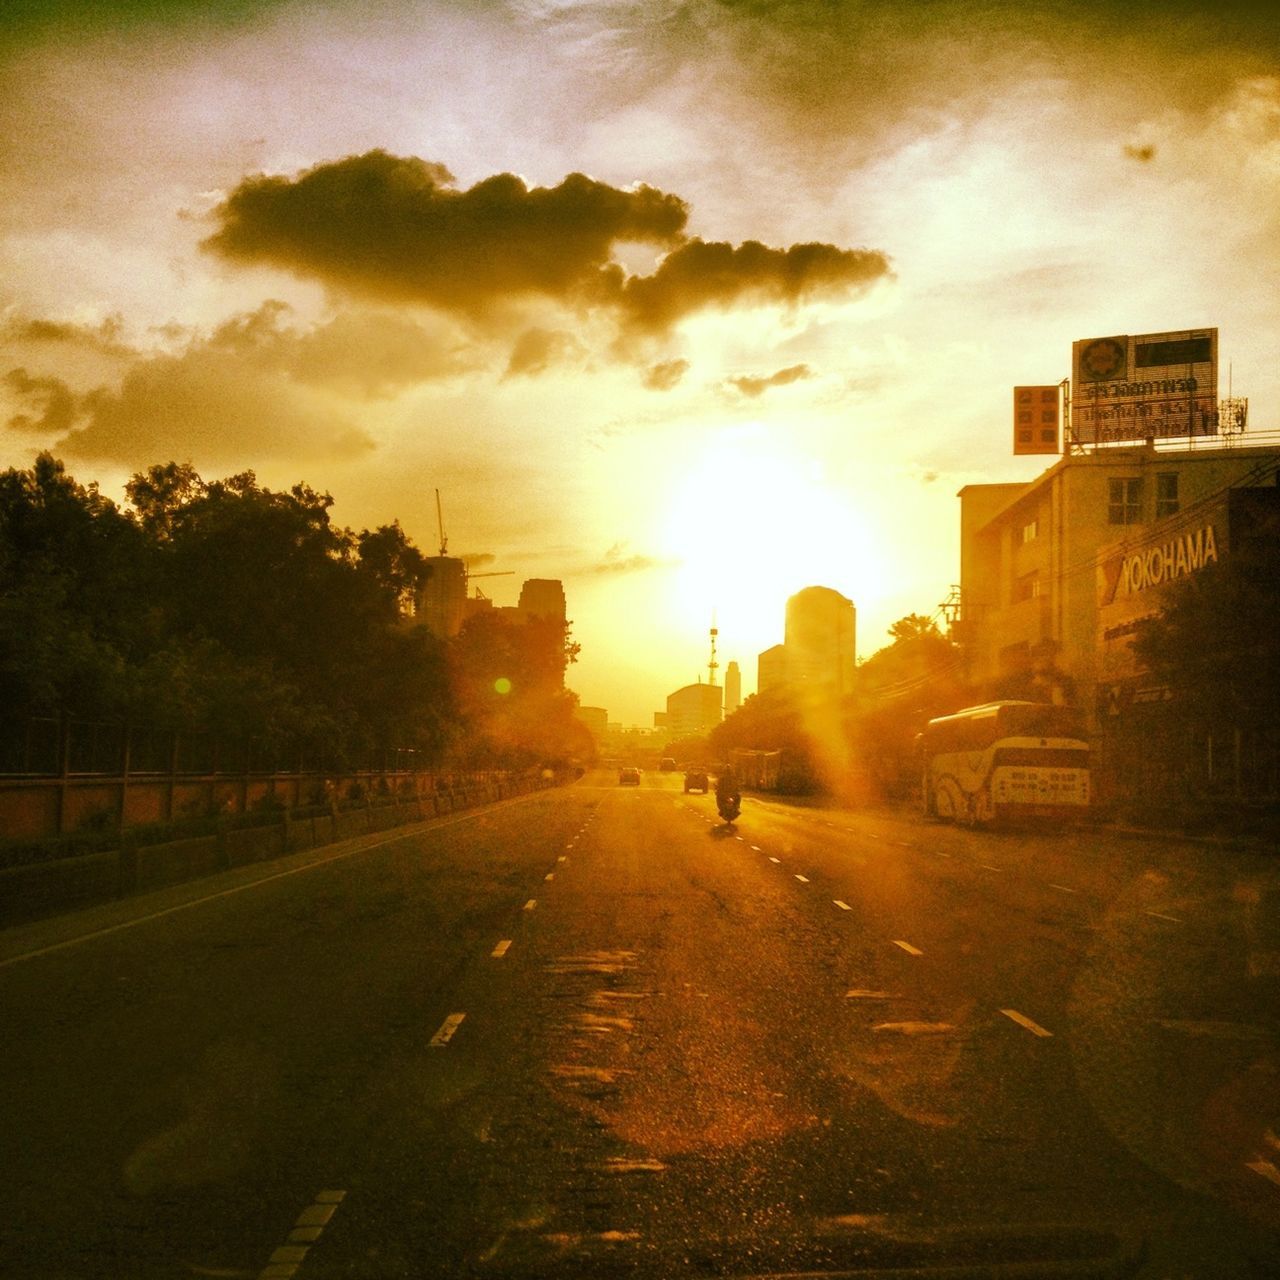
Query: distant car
pixel 628 777
pixel 667 765
pixel 696 780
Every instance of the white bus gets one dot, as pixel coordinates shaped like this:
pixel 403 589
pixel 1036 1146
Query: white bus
pixel 1006 760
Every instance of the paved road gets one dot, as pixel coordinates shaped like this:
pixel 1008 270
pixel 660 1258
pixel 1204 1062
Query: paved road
pixel 595 1032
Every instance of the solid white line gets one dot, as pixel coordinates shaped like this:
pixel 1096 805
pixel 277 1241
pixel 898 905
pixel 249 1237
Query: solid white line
pixel 1023 1021
pixel 447 1029
pixel 501 949
pixel 529 906
pixel 1062 888
pixel 844 906
pixel 803 879
pixel 1159 916
pixel 907 947
pixel 420 829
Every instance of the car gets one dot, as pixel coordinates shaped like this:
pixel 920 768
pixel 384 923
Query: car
pixel 696 780
pixel 628 777
pixel 667 765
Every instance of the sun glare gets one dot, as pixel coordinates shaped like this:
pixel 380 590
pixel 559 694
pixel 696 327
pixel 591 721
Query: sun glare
pixel 751 523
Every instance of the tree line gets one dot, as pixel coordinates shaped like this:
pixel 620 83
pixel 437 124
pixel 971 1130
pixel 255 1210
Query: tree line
pixel 224 607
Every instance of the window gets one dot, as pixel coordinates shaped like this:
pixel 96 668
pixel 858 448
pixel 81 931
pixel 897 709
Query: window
pixel 1166 494
pixel 1026 587
pixel 1030 532
pixel 1124 500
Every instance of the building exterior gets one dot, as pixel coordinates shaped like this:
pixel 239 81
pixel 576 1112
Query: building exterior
pixel 596 720
pixel 732 688
pixel 771 669
pixel 693 711
pixel 442 603
pixel 542 598
pixel 1056 574
pixel 820 640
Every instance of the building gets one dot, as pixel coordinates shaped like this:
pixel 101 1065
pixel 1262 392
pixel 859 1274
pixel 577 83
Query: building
pixel 819 639
pixel 692 712
pixel 542 598
pixel 442 602
pixel 596 720
pixel 1056 574
pixel 732 688
pixel 771 669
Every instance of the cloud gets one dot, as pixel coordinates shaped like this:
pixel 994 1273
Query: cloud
pixel 103 338
pixel 1142 153
pixel 397 228
pixel 664 375
pixel 758 386
pixel 615 563
pixel 536 350
pixel 53 400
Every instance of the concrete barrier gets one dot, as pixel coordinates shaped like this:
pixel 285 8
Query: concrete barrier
pixel 157 865
pixel 45 888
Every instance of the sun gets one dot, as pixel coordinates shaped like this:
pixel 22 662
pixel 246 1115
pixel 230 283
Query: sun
pixel 751 521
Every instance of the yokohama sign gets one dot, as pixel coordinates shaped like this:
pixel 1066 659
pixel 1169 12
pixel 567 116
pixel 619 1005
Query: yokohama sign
pixel 1152 566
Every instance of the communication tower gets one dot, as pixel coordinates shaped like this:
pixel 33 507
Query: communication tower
pixel 713 666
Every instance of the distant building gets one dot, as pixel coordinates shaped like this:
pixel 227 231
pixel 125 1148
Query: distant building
pixel 732 688
pixel 596 720
pixel 771 669
pixel 820 636
pixel 542 598
pixel 442 602
pixel 693 711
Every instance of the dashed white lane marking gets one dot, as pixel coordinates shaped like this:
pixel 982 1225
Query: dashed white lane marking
pixel 755 848
pixel 802 879
pixel 562 858
pixel 308 1228
pixel 1062 888
pixel 740 839
pixel 1159 915
pixel 529 906
pixel 501 949
pixel 941 854
pixel 551 875
pixel 864 993
pixel 907 947
pixel 986 866
pixel 844 906
pixel 447 1029
pixel 1023 1021
pixel 774 860
pixel 1265 1169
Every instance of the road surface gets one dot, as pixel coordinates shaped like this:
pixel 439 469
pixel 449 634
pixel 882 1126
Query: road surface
pixel 594 1032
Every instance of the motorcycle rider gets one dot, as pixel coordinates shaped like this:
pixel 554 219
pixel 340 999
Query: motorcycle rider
pixel 728 793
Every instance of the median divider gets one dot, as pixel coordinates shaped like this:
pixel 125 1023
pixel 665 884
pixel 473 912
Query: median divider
pixel 34 890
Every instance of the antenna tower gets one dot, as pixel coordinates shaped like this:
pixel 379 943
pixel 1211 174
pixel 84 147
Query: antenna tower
pixel 713 665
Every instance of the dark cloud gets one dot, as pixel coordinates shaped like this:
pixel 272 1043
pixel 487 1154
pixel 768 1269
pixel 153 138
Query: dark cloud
pixel 1143 153
pixel 51 398
pixel 536 350
pixel 758 386
pixel 665 375
pixel 398 228
pixel 104 338
pixel 702 274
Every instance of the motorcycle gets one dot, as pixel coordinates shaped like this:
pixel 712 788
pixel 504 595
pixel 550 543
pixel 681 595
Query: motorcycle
pixel 729 806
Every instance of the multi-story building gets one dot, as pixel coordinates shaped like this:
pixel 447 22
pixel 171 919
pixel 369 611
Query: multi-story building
pixel 693 711
pixel 819 640
pixel 542 598
pixel 732 688
pixel 442 601
pixel 771 669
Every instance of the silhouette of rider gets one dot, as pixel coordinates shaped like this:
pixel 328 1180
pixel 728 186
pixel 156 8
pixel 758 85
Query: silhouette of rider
pixel 727 790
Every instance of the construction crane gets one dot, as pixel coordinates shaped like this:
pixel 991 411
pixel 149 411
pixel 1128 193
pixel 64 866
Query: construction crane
pixel 444 547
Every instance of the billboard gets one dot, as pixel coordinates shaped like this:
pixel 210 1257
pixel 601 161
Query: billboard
pixel 1146 385
pixel 1035 420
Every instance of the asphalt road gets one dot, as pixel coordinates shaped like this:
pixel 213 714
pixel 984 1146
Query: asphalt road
pixel 594 1032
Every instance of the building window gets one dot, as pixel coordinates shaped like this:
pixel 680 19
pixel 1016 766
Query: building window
pixel 1166 494
pixel 1030 532
pixel 1124 500
pixel 1026 587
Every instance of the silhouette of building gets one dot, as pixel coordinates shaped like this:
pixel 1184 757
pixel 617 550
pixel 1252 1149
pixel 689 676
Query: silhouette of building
pixel 819 640
pixel 596 720
pixel 542 598
pixel 771 669
pixel 442 602
pixel 732 688
pixel 693 711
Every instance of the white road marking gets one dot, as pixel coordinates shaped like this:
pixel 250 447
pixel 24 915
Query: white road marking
pixel 1265 1169
pixel 755 848
pixel 501 949
pixel 863 993
pixel 529 906
pixel 1062 888
pixel 774 860
pixel 1023 1021
pixel 986 866
pixel 1161 916
pixel 562 858
pixel 287 1259
pixel 447 1029
pixel 620 1164
pixel 915 1028
pixel 740 839
pixel 907 947
pixel 844 906
pixel 551 875
pixel 802 879
pixel 316 1215
pixel 290 1253
pixel 941 854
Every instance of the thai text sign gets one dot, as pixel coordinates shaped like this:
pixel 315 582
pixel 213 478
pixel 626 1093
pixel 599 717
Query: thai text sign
pixel 1148 385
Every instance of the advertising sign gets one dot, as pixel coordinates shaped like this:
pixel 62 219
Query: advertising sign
pixel 1145 386
pixel 1035 420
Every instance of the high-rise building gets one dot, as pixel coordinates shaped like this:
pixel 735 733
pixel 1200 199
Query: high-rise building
pixel 442 601
pixel 771 669
pixel 542 598
pixel 820 634
pixel 732 688
pixel 693 711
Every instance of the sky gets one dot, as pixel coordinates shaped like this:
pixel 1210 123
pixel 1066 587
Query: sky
pixel 688 304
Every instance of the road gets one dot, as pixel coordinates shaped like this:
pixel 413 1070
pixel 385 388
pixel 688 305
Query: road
pixel 593 1031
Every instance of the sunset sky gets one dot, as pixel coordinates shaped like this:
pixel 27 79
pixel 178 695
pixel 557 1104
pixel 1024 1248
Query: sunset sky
pixel 687 304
